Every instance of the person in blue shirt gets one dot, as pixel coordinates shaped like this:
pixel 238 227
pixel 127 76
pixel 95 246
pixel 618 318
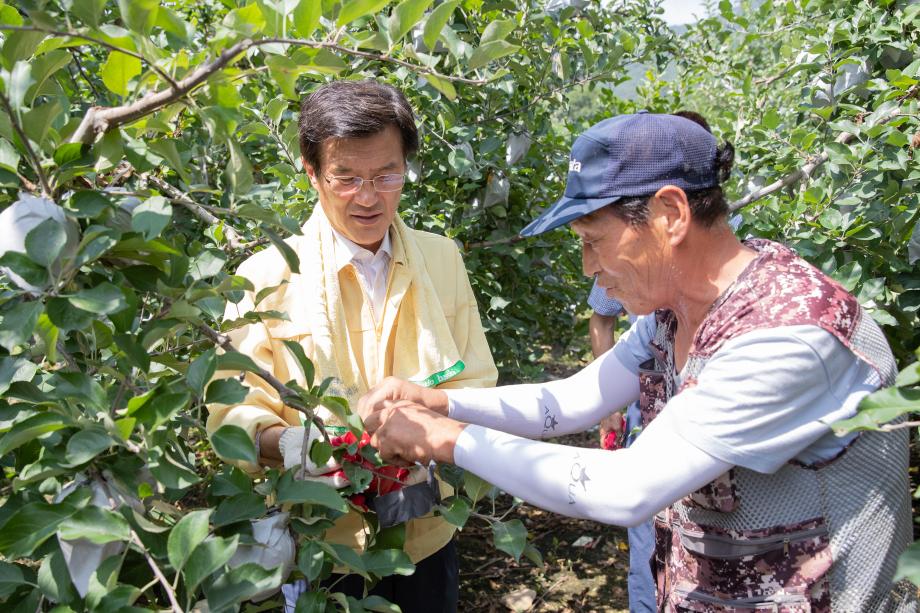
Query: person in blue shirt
pixel 640 581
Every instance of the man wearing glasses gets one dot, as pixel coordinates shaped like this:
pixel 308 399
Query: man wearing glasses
pixel 373 298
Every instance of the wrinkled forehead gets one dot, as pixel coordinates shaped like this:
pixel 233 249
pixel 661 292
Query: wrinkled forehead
pixel 594 223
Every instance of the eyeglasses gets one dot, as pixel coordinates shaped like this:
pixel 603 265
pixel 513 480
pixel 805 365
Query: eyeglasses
pixel 349 185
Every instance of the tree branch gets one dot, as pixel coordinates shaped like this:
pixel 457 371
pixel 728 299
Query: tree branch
pixel 500 241
pixel 96 41
pixel 36 162
pixel 284 393
pixel 170 593
pixel 99 120
pixel 806 170
pixel 177 195
pixel 900 426
pixel 332 46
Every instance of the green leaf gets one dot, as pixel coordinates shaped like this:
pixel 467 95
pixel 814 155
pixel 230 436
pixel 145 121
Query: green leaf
pixel 306 366
pixel 510 537
pixel 290 256
pixel 68 152
pixel 910 375
pixel 151 217
pixel 63 315
pixel 186 535
pixel 355 9
pixel 209 556
pixel 11 578
pixel 31 526
pixel 54 578
pixel 404 17
pixel 95 525
pixel 455 510
pixel 306 17
pixel 45 241
pixel 139 15
pixel 170 473
pixel 436 22
pixel 14 369
pixel 133 350
pixel 85 445
pixel 475 487
pixel 201 370
pixel 30 272
pixel 239 508
pixel 103 299
pixel 346 556
pixel 311 602
pixel 879 408
pixel 310 560
pixel 386 562
pixel 167 149
pixel 20 46
pixel 18 322
pixel 160 409
pixel 848 275
pixel 232 442
pixel 311 492
pixel 89 11
pixel 242 583
pixel 89 204
pixel 442 85
pixel 31 428
pixel 489 52
pixel 320 452
pixel 239 170
pixel 118 71
pixel 233 360
pixel 226 391
pixel 497 30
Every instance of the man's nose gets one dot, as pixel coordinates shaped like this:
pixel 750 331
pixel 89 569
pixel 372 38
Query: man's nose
pixel 367 195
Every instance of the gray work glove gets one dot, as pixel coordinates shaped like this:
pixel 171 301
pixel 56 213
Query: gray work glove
pixel 295 449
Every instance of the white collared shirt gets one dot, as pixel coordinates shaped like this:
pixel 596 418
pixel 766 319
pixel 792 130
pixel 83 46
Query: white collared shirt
pixel 372 268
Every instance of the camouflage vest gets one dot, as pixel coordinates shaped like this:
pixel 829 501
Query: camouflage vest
pixel 824 537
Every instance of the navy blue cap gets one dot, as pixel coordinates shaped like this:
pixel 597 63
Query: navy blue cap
pixel 630 156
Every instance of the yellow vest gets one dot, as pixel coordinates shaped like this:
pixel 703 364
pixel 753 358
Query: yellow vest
pixel 375 349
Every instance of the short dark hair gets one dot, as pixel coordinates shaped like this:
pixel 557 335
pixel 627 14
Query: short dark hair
pixel 706 205
pixel 353 109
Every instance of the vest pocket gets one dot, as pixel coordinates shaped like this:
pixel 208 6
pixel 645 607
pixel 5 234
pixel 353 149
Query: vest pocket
pixel 693 600
pixel 781 569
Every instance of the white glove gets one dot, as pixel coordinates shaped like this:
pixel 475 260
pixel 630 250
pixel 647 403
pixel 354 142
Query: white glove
pixel 291 445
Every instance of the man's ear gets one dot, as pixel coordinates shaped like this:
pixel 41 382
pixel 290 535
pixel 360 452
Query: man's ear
pixel 675 209
pixel 311 173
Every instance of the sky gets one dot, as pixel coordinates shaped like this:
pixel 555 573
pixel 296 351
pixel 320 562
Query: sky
pixel 678 12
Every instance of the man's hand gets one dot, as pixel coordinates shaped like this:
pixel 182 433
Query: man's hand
pixel 392 390
pixel 611 427
pixel 405 433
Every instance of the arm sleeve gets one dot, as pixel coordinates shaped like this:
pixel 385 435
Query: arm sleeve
pixel 624 487
pixel 469 337
pixel 544 410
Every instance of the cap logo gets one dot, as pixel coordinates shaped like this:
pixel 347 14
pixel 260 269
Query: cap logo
pixel 574 165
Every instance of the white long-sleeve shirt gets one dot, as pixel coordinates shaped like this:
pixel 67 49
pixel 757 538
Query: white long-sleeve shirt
pixel 763 399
